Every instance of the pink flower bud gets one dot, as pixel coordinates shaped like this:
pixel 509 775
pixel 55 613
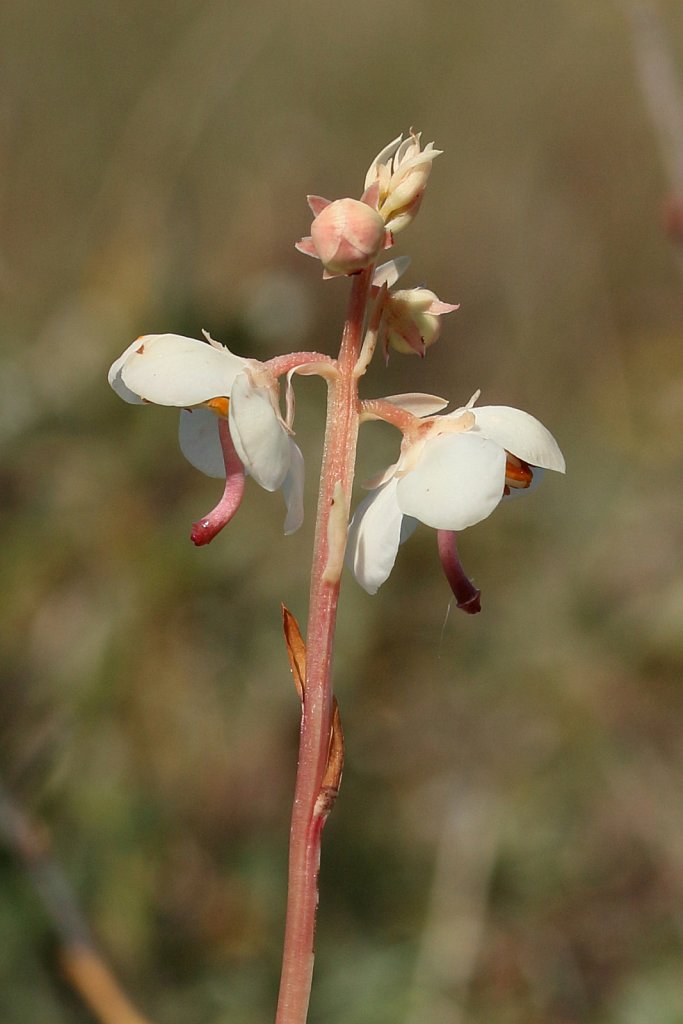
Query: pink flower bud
pixel 412 319
pixel 347 236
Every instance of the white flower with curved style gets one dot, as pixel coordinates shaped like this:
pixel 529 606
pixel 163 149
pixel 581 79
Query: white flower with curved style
pixel 230 423
pixel 452 473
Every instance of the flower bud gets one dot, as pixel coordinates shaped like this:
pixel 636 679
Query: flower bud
pixel 401 171
pixel 347 236
pixel 412 320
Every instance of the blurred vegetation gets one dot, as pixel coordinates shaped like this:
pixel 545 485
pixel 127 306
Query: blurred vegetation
pixel 508 843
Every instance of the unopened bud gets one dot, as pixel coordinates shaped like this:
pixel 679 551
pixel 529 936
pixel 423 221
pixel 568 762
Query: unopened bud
pixel 347 236
pixel 412 320
pixel 401 171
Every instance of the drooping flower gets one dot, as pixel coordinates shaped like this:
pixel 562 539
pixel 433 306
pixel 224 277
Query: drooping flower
pixel 452 473
pixel 230 421
pixel 400 172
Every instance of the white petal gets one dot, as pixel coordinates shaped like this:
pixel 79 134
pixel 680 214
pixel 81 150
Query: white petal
pixel 379 478
pixel 257 433
pixel 458 482
pixel 114 376
pixel 290 400
pixel 520 434
pixel 410 147
pixel 374 537
pixel 168 369
pixel 382 157
pixel 293 490
pixel 418 404
pixel 408 528
pixel 199 441
pixel 390 272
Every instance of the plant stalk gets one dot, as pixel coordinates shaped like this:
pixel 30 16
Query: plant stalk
pixel 309 812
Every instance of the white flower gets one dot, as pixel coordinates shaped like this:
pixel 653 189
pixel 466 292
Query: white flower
pixel 208 383
pixel 452 473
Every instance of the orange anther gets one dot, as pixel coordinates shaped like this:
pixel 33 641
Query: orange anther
pixel 220 406
pixel 517 472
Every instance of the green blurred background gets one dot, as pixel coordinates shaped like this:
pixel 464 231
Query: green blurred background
pixel 508 843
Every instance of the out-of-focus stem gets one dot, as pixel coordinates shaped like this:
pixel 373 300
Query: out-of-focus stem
pixel 310 808
pixel 82 962
pixel 660 84
pixel 465 854
pixel 97 986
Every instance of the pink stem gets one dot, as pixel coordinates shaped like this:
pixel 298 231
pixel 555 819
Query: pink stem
pixel 205 529
pixel 466 594
pixel 279 365
pixel 381 409
pixel 309 813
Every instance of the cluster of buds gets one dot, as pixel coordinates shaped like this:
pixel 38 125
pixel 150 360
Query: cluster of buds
pixel 347 235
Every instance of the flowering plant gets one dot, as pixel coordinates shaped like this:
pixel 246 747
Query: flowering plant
pixel 452 471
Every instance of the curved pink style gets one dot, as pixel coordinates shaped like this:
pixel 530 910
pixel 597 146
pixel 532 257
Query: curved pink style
pixel 467 596
pixel 205 529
